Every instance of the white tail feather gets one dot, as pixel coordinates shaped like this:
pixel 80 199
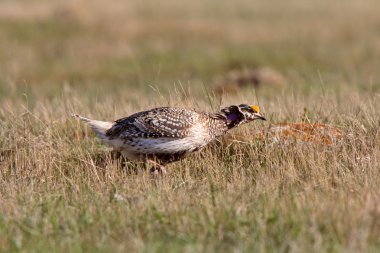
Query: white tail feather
pixel 99 127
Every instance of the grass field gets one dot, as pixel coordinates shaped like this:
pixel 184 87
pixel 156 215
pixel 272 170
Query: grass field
pixel 62 191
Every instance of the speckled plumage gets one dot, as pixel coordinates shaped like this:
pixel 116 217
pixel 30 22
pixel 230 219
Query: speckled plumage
pixel 168 134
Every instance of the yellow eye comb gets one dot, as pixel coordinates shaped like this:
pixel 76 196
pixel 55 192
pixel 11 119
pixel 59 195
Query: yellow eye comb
pixel 255 108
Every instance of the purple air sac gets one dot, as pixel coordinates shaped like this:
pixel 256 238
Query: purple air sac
pixel 233 117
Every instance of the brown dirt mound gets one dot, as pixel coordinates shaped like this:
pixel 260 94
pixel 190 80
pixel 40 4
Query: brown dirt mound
pixel 314 133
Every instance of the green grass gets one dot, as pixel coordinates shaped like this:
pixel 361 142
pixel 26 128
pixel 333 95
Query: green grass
pixel 63 191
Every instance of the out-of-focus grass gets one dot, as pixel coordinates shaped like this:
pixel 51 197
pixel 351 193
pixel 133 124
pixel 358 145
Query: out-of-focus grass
pixel 122 45
pixel 61 190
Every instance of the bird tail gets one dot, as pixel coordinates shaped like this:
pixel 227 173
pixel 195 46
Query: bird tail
pixel 99 127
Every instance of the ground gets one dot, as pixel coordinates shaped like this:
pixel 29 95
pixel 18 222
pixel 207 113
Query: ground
pixel 62 190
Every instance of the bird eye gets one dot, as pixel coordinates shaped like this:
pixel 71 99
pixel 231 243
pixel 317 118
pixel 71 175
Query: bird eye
pixel 245 107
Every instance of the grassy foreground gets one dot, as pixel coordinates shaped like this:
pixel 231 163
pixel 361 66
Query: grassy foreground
pixel 61 190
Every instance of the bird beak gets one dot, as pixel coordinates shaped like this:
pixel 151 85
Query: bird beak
pixel 260 116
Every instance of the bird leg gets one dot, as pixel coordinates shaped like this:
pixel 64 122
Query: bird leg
pixel 156 169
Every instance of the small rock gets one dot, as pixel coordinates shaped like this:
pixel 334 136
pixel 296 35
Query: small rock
pixel 118 197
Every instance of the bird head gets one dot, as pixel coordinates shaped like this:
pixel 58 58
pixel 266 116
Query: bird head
pixel 236 115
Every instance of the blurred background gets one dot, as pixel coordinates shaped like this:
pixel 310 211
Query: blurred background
pixel 120 48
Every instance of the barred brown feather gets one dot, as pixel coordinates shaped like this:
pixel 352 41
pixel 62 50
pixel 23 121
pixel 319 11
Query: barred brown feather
pixel 155 123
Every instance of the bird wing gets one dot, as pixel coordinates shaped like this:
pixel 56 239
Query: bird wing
pixel 156 123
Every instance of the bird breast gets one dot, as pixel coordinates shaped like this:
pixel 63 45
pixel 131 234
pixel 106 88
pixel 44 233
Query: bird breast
pixel 197 138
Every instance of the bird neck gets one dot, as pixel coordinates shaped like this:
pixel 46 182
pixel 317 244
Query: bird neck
pixel 219 124
pixel 230 121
